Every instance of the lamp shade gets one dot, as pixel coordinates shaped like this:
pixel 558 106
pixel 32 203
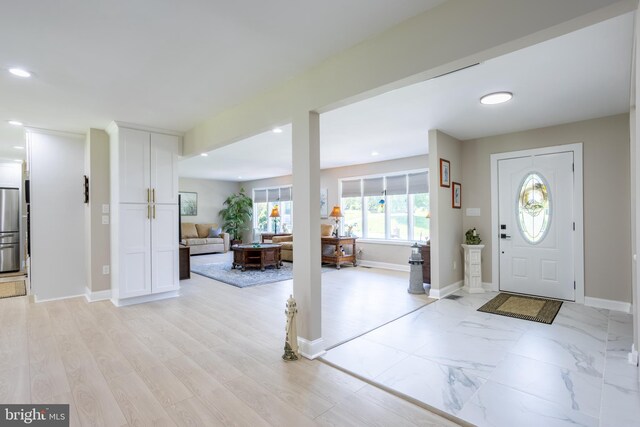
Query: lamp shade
pixel 275 213
pixel 336 212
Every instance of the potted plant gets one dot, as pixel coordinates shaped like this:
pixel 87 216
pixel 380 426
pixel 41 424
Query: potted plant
pixel 236 215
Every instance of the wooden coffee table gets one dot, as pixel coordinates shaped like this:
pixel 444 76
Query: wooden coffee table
pixel 261 256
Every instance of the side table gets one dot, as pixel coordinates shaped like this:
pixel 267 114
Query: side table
pixel 337 250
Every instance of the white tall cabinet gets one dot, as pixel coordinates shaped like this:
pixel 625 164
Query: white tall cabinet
pixel 144 214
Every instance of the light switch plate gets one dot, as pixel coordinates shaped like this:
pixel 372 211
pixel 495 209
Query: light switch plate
pixel 473 211
pixel 105 269
pixel 105 219
pixel 105 208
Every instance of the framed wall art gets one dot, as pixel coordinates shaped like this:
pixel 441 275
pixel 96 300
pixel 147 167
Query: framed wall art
pixel 445 173
pixel 324 203
pixel 188 204
pixel 456 195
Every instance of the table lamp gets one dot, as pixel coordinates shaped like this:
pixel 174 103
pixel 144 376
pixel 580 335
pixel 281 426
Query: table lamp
pixel 336 214
pixel 275 214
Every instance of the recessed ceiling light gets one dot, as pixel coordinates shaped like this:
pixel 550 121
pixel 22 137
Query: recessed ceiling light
pixel 496 98
pixel 18 160
pixel 204 154
pixel 15 123
pixel 374 153
pixel 239 177
pixel 20 72
pixel 18 147
pixel 277 130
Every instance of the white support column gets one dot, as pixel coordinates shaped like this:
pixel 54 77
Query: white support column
pixel 306 226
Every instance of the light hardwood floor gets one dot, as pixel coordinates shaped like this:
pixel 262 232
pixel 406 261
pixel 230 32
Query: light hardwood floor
pixel 211 357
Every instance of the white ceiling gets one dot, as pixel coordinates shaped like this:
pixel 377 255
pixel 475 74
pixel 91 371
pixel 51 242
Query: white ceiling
pixel 167 63
pixel 582 75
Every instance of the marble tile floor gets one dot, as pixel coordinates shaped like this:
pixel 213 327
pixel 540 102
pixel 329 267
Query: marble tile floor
pixel 492 370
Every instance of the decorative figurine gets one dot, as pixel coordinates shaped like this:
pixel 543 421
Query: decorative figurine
pixel 291 340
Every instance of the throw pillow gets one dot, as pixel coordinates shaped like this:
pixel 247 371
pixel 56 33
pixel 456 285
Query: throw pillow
pixel 215 232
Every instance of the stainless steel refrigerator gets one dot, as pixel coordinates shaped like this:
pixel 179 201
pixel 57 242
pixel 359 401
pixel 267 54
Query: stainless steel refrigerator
pixel 9 229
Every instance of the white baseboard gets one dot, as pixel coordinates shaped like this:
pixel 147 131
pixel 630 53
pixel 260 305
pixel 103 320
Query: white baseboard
pixel 38 300
pixel 446 291
pixel 488 286
pixel 97 296
pixel 608 304
pixel 632 357
pixel 385 265
pixel 311 349
pixel 123 302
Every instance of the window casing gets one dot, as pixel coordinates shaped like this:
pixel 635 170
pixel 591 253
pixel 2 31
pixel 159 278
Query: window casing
pixel 391 207
pixel 264 200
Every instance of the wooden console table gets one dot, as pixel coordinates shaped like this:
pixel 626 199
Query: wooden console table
pixel 269 236
pixel 337 250
pixel 265 255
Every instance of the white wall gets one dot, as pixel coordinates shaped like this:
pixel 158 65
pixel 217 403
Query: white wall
pixel 607 207
pixel 211 196
pixel 396 254
pixel 57 214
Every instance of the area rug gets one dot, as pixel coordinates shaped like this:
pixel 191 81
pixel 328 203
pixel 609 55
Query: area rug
pixel 522 307
pixel 223 272
pixel 13 289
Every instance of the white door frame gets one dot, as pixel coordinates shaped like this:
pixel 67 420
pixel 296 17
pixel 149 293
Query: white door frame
pixel 578 209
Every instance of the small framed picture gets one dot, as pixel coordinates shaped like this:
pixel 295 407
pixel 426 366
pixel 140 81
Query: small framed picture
pixel 456 195
pixel 324 203
pixel 445 173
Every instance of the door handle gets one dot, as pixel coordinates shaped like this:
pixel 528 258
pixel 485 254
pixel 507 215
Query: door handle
pixel 504 236
pixel 148 211
pixel 148 195
pixel 154 211
pixel 153 192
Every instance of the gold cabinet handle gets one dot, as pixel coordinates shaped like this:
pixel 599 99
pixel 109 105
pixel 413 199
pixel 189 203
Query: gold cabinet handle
pixel 148 211
pixel 148 195
pixel 154 211
pixel 154 195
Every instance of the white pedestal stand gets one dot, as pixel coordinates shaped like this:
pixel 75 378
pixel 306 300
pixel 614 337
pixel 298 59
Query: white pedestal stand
pixel 473 269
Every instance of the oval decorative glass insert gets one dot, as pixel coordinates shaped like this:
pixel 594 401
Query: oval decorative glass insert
pixel 534 208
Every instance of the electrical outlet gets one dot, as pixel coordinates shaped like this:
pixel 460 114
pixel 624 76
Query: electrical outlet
pixel 105 219
pixel 455 265
pixel 105 269
pixel 105 208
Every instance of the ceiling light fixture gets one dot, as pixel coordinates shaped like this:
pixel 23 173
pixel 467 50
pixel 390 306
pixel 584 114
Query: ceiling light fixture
pixel 204 154
pixel 18 147
pixel 374 153
pixel 496 98
pixel 239 177
pixel 277 130
pixel 15 123
pixel 19 72
pixel 17 160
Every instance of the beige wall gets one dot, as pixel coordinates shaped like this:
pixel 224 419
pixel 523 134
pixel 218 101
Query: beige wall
pixel 607 222
pixel 329 178
pixel 446 222
pixel 97 236
pixel 211 196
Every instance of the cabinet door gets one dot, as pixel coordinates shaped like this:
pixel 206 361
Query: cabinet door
pixel 135 251
pixel 164 167
pixel 134 166
pixel 164 249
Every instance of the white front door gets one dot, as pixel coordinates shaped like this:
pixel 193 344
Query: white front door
pixel 536 222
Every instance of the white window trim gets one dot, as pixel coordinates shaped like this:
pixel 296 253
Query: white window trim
pixel 386 240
